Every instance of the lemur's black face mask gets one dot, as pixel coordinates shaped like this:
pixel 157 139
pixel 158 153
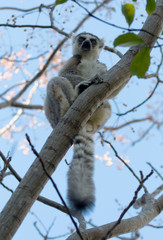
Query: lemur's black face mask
pixel 86 46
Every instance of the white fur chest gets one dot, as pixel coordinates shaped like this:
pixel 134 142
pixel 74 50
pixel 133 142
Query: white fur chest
pixel 89 68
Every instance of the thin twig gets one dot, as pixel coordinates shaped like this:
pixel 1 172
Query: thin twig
pixel 130 169
pixel 7 188
pixel 39 74
pixel 155 170
pixel 34 27
pixel 143 135
pixel 114 25
pixel 109 233
pixel 54 185
pixel 140 104
pixel 3 171
pixel 26 10
pixel 134 121
pixel 150 225
pixel 10 167
pixel 113 50
pixel 44 200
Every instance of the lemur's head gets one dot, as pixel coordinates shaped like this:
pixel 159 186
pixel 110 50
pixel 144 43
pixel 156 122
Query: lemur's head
pixel 87 45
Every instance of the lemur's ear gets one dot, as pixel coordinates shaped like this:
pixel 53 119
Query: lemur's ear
pixel 102 41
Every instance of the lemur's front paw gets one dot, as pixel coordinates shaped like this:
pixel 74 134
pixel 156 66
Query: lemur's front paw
pixel 96 79
pixel 82 86
pixel 85 84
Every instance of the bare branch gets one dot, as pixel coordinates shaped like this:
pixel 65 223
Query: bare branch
pixel 11 123
pixel 34 27
pixel 149 212
pixel 3 171
pixel 134 235
pixel 150 225
pixel 114 25
pixel 77 215
pixel 7 188
pixel 141 201
pixel 144 134
pixel 109 233
pixel 154 169
pixel 54 185
pixel 113 50
pixel 27 10
pixel 20 111
pixel 26 106
pixel 45 236
pixel 157 191
pixel 140 104
pixel 116 154
pixel 150 119
pixel 39 74
pixel 10 167
pixel 10 88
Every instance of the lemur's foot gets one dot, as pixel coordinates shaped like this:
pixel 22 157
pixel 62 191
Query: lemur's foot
pixel 85 84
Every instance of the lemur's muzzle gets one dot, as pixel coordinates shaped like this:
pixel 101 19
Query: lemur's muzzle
pixel 86 46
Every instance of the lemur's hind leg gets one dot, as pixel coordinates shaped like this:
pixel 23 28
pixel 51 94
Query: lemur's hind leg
pixel 60 95
pixel 99 117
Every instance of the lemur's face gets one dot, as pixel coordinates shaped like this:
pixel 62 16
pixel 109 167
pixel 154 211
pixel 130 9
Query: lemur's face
pixel 87 42
pixel 87 45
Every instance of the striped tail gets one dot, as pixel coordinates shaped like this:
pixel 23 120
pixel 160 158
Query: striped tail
pixel 81 190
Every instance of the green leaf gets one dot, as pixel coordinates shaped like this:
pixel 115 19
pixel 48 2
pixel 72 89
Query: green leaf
pixel 128 11
pixel 150 6
pixel 60 1
pixel 128 39
pixel 140 63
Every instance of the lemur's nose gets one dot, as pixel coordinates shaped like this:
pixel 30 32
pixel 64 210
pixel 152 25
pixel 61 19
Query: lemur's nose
pixel 86 46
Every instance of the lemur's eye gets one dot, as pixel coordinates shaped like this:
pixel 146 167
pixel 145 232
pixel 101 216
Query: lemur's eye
pixel 93 41
pixel 81 39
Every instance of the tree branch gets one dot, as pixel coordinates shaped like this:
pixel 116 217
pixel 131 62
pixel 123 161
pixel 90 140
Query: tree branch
pixel 34 27
pixel 58 206
pixel 149 212
pixel 140 104
pixel 54 185
pixel 129 168
pixel 113 50
pixel 39 74
pixel 109 232
pixel 148 119
pixel 26 10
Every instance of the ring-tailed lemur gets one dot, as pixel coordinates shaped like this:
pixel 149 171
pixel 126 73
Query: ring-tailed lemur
pixel 74 77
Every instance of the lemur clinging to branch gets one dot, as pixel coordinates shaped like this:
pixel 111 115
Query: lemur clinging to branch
pixel 75 76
